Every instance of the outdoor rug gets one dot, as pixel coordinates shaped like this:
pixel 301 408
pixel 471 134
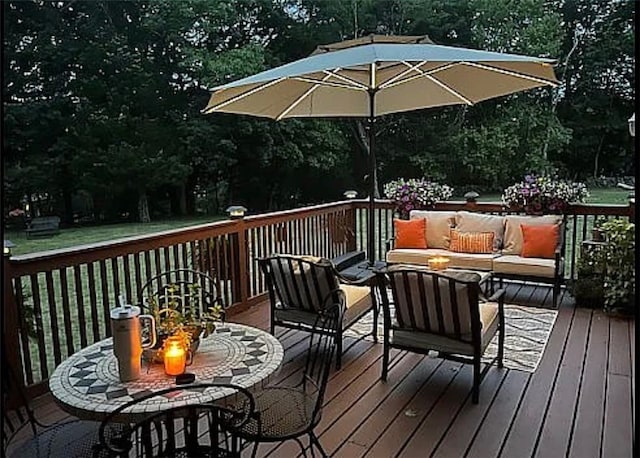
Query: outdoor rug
pixel 527 331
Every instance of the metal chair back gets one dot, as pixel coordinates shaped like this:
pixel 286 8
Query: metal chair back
pixel 198 429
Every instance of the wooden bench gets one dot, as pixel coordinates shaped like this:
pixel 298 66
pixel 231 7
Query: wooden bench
pixel 43 226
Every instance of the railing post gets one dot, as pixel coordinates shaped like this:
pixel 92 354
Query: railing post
pixel 243 260
pixel 632 210
pixel 11 324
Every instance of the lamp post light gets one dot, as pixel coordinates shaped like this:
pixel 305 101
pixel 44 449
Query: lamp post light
pixel 471 197
pixel 351 194
pixel 8 244
pixel 632 125
pixel 236 211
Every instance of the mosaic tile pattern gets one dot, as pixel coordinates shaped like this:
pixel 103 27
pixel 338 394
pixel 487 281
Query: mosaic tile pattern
pixel 87 384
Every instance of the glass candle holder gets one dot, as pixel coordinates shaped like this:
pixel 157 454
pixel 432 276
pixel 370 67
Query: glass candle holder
pixel 438 263
pixel 175 356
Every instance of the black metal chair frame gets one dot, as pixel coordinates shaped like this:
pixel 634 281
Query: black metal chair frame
pixel 17 415
pixel 155 434
pixel 335 296
pixel 182 278
pixel 320 354
pixel 474 293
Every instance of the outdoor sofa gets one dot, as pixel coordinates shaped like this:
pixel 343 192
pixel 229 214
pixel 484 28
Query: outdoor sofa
pixel 505 259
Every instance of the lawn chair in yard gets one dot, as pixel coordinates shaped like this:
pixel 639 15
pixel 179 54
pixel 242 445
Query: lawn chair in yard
pixel 442 312
pixel 301 286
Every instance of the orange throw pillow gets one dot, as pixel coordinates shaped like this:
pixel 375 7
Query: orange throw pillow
pixel 471 242
pixel 540 241
pixel 410 233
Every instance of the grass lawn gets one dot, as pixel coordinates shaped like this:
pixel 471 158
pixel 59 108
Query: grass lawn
pixel 598 196
pixel 91 234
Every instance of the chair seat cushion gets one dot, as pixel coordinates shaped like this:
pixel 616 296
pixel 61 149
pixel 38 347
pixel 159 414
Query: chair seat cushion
pixel 417 339
pixel 517 265
pixel 283 411
pixel 358 300
pixel 474 261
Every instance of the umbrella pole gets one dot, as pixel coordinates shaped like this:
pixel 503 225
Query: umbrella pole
pixel 372 181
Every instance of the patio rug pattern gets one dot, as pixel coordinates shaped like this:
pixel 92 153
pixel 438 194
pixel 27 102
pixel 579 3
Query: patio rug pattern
pixel 527 332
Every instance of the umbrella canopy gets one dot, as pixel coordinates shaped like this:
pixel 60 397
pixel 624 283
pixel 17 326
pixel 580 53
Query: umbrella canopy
pixel 378 75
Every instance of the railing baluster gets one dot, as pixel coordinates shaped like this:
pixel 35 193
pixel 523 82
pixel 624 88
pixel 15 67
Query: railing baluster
pixel 64 291
pixel 127 280
pixel 106 308
pixel 53 318
pixel 37 311
pixel 80 304
pixel 93 301
pixel 24 336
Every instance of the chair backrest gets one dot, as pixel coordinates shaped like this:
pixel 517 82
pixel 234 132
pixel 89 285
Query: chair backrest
pixel 197 428
pixel 17 412
pixel 436 303
pixel 188 289
pixel 322 349
pixel 301 283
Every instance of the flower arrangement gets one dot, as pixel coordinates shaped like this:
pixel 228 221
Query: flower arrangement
pixel 538 194
pixel 415 194
pixel 176 310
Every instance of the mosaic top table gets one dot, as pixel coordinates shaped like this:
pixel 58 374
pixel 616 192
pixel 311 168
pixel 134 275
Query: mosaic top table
pixel 87 384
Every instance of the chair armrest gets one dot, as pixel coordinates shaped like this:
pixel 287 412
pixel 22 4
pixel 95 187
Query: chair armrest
pixel 390 243
pixel 498 296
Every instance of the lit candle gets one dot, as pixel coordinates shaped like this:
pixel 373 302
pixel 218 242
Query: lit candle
pixel 175 356
pixel 438 263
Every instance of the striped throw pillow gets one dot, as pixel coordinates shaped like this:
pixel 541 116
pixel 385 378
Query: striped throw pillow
pixel 471 242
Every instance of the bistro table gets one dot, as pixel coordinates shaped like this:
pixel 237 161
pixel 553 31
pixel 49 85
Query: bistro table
pixel 88 386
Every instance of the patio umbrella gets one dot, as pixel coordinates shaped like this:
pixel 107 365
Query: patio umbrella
pixel 377 75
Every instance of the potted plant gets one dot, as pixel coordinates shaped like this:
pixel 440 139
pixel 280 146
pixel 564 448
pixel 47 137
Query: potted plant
pixel 588 287
pixel 540 194
pixel 415 194
pixel 620 273
pixel 597 233
pixel 178 313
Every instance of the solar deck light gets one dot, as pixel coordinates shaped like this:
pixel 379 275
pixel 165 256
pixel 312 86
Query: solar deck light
pixel 351 194
pixel 236 211
pixel 471 196
pixel 8 244
pixel 632 125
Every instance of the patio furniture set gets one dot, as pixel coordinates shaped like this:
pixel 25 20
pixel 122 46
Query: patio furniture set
pixel 235 365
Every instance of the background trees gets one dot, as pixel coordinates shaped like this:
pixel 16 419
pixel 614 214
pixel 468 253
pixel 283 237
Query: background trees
pixel 102 101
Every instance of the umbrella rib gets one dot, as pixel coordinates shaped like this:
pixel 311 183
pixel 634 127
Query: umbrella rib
pixel 511 73
pixel 401 74
pixel 414 77
pixel 442 85
pixel 327 83
pixel 301 98
pixel 242 96
pixel 346 79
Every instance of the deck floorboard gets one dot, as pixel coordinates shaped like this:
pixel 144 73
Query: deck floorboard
pixel 577 403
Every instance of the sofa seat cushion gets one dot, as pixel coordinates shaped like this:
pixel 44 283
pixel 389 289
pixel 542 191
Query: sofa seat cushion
pixel 419 339
pixel 517 265
pixel 473 261
pixel 358 300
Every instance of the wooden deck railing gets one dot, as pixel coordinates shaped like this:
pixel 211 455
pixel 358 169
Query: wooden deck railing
pixel 57 302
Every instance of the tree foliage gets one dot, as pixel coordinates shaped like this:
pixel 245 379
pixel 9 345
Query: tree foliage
pixel 103 98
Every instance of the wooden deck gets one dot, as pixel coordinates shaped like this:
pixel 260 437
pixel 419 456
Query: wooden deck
pixel 578 403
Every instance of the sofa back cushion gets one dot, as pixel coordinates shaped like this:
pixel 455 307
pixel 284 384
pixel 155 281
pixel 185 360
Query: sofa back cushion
pixel 411 233
pixel 513 233
pixel 479 222
pixel 472 242
pixel 438 225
